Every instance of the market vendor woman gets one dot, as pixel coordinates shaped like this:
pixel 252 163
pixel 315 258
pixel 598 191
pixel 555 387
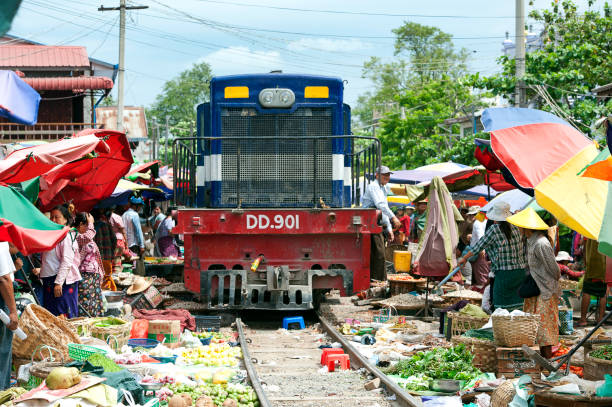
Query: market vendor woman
pixel 59 271
pixel 503 244
pixel 545 272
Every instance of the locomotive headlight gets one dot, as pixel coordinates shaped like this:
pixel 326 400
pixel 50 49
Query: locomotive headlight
pixel 266 97
pixel 276 98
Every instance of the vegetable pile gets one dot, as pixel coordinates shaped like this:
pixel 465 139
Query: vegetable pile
pixel 452 363
pixel 603 352
pixel 98 359
pixel 244 396
pixel 221 354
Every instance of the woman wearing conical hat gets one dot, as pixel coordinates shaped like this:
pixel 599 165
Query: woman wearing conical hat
pixel 544 270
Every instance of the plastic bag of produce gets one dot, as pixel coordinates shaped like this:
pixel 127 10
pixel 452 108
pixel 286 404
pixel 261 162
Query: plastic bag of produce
pixel 605 390
pixel 140 328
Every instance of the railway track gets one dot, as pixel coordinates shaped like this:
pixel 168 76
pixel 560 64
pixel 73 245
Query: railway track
pixel 284 368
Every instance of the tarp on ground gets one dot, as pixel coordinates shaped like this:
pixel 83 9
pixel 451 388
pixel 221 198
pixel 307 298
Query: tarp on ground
pixel 436 254
pixel 18 100
pixel 27 163
pixel 25 226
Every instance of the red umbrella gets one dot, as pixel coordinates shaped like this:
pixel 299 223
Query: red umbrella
pixel 87 181
pixel 28 163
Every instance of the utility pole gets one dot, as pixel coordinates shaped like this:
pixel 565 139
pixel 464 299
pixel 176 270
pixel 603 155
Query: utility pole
pixel 167 135
pixel 519 57
pixel 153 132
pixel 122 8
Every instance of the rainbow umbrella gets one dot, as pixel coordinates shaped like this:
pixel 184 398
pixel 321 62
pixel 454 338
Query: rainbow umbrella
pixel 24 225
pixel 544 154
pixel 601 168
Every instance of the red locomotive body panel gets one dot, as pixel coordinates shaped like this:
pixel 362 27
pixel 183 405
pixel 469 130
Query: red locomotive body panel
pixel 302 250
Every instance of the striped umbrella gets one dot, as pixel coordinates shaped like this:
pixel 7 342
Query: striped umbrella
pixel 544 154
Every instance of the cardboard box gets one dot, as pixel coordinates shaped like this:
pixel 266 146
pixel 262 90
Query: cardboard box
pixel 512 362
pixel 168 332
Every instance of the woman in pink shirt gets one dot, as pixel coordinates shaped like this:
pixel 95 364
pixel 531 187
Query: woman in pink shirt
pixel 60 271
pixel 116 222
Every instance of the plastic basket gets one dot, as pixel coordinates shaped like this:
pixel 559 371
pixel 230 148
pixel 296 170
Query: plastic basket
pixel 81 352
pixel 207 322
pixel 206 341
pixel 143 343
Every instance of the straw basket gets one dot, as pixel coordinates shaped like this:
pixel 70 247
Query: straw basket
pixel 514 331
pixel 461 323
pixel 41 326
pixel 40 370
pixel 485 352
pixel 503 395
pixel 595 368
pixel 81 325
pixel 118 334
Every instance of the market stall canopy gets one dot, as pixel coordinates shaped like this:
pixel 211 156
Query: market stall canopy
pixel 427 172
pixel 18 100
pixel 516 198
pixel 27 163
pixel 123 191
pixel 495 169
pixel 25 226
pixel 545 153
pixel 88 181
pixel 143 168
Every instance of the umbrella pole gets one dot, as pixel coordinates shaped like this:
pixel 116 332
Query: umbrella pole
pixel 30 284
pixel 488 186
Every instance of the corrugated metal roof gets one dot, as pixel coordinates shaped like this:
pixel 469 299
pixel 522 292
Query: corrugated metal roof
pixel 70 83
pixel 42 56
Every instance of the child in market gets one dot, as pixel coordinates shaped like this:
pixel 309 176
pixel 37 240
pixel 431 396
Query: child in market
pixel 567 270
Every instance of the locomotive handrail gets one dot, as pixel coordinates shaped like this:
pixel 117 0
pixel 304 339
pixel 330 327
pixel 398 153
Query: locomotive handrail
pixel 369 157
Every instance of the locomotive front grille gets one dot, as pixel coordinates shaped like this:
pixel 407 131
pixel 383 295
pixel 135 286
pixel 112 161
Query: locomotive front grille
pixel 279 172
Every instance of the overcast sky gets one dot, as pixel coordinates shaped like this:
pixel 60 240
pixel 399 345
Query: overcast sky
pixel 245 36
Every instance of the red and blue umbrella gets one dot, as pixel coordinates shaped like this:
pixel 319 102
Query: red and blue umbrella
pixel 544 155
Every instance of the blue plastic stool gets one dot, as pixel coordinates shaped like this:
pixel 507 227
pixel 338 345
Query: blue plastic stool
pixel 293 320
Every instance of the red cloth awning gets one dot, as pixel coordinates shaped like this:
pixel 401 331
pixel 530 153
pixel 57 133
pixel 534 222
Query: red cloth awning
pixel 70 83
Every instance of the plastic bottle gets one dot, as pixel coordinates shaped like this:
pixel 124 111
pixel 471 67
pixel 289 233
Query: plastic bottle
pixel 6 320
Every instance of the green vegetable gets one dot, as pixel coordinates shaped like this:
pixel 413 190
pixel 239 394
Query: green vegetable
pixel 452 363
pixel 486 334
pixel 604 352
pixel 98 359
pixel 244 395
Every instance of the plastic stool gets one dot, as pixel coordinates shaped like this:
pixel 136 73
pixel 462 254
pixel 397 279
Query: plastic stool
pixel 330 351
pixel 343 360
pixel 293 320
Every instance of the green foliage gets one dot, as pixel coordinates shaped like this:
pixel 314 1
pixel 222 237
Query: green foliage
pixel 422 53
pixel 576 57
pixel 108 101
pixel 418 138
pixel 181 95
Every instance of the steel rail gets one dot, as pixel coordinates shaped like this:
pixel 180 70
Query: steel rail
pixel 357 359
pixel 253 377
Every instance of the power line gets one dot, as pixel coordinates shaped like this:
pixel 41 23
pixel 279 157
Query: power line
pixel 362 13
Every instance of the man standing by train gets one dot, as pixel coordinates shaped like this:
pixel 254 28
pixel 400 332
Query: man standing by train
pixel 375 196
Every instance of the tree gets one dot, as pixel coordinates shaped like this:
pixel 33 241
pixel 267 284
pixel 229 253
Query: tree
pixel 417 139
pixel 575 58
pixel 181 95
pixel 109 101
pixel 422 53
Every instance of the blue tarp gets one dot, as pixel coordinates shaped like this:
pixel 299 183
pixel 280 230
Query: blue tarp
pixel 18 100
